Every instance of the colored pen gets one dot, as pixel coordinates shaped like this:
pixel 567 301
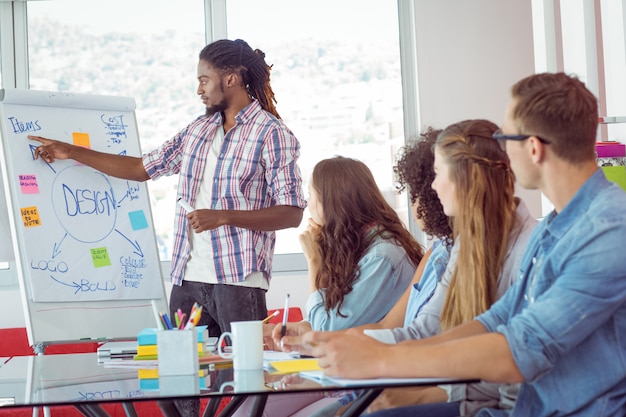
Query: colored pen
pixel 196 318
pixel 283 331
pixel 189 324
pixel 268 318
pixel 163 322
pixel 168 322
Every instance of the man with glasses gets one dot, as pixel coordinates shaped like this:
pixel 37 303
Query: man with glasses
pixel 561 329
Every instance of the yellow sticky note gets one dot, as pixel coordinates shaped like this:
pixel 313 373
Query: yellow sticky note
pixel 81 139
pixel 30 216
pixel 296 365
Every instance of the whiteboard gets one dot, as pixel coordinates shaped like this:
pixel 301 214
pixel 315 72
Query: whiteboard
pixel 83 242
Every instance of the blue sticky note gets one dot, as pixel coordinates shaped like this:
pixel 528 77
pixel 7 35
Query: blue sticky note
pixel 137 220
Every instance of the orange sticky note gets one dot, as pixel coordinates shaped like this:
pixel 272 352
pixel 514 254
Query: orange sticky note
pixel 81 139
pixel 30 216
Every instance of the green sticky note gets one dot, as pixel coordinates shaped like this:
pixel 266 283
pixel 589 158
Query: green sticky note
pixel 100 257
pixel 617 174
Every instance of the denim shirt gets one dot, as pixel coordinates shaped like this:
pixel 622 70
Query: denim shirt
pixel 422 291
pixel 386 272
pixel 565 318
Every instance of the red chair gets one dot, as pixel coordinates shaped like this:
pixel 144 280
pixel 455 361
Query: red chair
pixel 295 314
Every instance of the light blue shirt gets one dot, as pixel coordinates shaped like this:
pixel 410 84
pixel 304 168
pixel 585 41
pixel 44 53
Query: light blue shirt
pixel 565 319
pixel 386 271
pixel 422 291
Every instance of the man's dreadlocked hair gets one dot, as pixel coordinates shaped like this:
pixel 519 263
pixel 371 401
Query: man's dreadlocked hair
pixel 237 56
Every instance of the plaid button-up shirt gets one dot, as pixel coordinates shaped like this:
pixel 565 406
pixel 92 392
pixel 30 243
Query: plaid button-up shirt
pixel 256 168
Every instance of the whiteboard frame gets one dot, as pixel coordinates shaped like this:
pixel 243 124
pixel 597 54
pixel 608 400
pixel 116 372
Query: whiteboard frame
pixel 71 322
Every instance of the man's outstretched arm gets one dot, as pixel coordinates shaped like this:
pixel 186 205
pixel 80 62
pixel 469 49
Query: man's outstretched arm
pixel 120 166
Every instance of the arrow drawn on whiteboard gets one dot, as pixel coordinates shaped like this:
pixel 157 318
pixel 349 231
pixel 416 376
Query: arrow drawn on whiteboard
pixel 73 284
pixel 86 286
pixel 55 250
pixel 135 244
pixel 33 150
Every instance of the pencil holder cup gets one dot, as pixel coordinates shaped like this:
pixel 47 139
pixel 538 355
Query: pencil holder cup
pixel 177 352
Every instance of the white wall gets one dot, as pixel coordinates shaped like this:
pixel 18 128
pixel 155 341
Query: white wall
pixel 469 54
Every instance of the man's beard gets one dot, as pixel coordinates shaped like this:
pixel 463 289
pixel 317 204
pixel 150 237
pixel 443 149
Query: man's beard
pixel 216 108
pixel 219 107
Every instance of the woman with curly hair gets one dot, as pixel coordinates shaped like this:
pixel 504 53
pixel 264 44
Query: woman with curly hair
pixel 414 172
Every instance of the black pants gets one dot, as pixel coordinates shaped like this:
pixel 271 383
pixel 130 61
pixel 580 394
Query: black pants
pixel 221 304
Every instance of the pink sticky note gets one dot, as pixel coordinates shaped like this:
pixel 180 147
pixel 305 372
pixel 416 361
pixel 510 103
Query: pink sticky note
pixel 28 184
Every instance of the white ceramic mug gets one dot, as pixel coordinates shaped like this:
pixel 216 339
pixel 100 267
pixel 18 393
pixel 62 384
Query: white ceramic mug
pixel 247 381
pixel 247 339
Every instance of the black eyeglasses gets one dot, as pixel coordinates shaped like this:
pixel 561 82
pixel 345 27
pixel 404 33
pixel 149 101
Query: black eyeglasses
pixel 499 136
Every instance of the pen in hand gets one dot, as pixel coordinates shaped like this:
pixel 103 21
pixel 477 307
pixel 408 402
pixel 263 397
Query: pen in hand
pixel 283 331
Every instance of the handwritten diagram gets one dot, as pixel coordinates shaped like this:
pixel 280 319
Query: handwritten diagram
pixel 84 235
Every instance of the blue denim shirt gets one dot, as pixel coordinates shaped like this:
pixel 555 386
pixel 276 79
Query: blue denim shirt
pixel 386 272
pixel 423 291
pixel 565 318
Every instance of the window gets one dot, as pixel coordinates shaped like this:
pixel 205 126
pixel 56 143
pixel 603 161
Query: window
pixel 337 81
pixel 145 49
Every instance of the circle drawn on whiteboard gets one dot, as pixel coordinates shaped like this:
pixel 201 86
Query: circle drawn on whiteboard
pixel 84 203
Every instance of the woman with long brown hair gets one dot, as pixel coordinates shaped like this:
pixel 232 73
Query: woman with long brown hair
pixel 360 255
pixel 361 258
